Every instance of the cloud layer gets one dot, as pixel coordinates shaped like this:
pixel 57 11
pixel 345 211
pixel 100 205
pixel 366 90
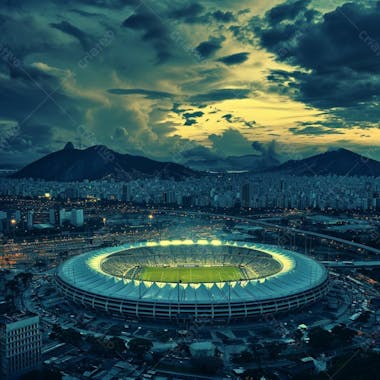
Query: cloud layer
pixel 162 78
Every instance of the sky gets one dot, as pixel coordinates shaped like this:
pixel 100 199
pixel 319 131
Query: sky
pixel 178 79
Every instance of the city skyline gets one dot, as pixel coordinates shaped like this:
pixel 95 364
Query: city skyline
pixel 182 80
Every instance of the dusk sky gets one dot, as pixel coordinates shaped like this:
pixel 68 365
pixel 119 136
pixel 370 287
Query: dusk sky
pixel 174 80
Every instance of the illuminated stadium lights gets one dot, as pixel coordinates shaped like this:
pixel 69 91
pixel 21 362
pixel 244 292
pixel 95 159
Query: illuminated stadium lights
pixel 173 279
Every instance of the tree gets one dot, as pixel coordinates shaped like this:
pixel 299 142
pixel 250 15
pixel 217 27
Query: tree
pixel 12 287
pixel 343 334
pixel 25 278
pixel 244 357
pixel 45 374
pixel 319 338
pixel 207 365
pixel 117 344
pixel 139 346
pixel 364 317
pixel 274 350
pixel 66 335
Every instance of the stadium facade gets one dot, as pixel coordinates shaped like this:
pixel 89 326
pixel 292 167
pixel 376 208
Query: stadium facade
pixel 271 280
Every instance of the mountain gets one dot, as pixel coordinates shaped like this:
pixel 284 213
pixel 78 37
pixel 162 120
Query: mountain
pixel 341 162
pixel 99 162
pixel 246 162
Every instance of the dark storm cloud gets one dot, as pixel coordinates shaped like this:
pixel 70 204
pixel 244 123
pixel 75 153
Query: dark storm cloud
pixel 341 50
pixel 234 59
pixel 73 31
pixel 105 4
pixel 31 74
pixel 208 48
pixel 269 151
pixel 190 117
pixel 189 13
pixel 193 114
pixel 228 117
pixel 209 97
pixel 20 95
pixel 139 91
pixel 220 95
pixel 49 45
pixel 113 4
pixel 84 13
pixel 29 135
pixel 199 153
pixel 36 114
pixel 231 119
pixel 13 32
pixel 270 38
pixel 315 130
pixel 287 11
pixel 154 30
pixel 221 16
pixel 190 122
pixel 147 104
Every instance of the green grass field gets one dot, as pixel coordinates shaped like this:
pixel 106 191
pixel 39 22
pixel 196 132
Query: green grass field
pixel 192 274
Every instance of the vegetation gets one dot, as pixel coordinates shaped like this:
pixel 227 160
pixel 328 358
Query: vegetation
pixel 66 335
pixel 363 366
pixel 207 365
pixel 243 358
pixel 45 374
pixel 105 347
pixel 321 339
pixel 139 346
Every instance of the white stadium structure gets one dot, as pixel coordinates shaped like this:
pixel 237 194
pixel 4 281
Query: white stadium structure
pixel 270 280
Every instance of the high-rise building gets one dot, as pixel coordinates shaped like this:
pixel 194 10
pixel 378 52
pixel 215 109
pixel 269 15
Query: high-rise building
pixel 52 217
pixel 29 219
pixel 126 193
pixel 77 218
pixel 169 197
pixel 3 220
pixel 246 195
pixel 20 345
pixel 63 216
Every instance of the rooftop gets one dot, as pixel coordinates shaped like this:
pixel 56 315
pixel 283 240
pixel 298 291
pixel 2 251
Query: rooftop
pixel 11 318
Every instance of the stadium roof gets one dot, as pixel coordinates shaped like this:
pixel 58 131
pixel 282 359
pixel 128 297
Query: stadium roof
pixel 299 273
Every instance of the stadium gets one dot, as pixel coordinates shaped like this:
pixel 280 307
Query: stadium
pixel 185 279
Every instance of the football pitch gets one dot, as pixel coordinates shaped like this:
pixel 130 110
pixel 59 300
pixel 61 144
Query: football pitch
pixel 190 274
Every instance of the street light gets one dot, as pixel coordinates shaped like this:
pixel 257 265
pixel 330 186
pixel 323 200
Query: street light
pixel 13 223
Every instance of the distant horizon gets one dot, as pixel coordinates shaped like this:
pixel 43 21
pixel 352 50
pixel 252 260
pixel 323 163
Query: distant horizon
pixel 5 167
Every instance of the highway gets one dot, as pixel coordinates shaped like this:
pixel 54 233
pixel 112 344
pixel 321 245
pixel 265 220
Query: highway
pixel 352 264
pixel 258 222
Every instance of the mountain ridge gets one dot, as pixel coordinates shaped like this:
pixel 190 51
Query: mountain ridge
pixel 342 162
pixel 99 162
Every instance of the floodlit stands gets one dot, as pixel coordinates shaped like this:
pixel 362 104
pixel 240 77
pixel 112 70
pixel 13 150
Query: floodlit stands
pixel 252 264
pixel 107 280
